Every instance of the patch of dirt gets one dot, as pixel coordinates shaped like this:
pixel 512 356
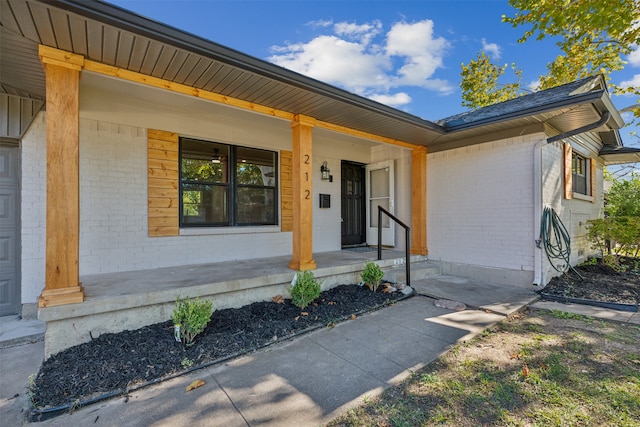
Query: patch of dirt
pixel 600 282
pixel 115 363
pixel 534 368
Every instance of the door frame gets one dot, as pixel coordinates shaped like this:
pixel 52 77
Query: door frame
pixel 363 234
pixel 388 233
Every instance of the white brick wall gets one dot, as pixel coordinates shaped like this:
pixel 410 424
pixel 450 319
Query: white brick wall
pixel 113 212
pixel 480 204
pixel 113 208
pixel 33 163
pixel 574 213
pixel 332 148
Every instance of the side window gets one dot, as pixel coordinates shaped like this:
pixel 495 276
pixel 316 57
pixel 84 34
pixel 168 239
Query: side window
pixel 580 174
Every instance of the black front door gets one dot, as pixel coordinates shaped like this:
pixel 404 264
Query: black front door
pixel 353 204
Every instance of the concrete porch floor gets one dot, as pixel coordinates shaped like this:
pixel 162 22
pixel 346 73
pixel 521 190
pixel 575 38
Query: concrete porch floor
pixel 265 270
pixel 129 300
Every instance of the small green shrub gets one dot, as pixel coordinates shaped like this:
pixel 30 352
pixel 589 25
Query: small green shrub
pixel 191 316
pixel 372 275
pixel 305 290
pixel 186 363
pixel 590 261
pixel 615 236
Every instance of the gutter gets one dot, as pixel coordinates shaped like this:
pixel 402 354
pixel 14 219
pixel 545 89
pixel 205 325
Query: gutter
pixel 603 120
pixel 588 97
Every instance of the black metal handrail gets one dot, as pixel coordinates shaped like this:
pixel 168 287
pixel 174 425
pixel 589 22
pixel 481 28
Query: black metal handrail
pixel 407 231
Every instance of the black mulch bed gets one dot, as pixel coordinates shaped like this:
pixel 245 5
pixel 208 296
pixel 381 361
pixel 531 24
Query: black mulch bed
pixel 114 364
pixel 600 282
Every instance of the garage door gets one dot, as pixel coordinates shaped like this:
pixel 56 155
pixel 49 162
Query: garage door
pixel 9 278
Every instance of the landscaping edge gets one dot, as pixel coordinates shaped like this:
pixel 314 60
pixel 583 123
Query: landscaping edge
pixel 36 414
pixel 583 301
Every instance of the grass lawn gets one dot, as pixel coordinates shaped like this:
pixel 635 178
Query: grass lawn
pixel 536 369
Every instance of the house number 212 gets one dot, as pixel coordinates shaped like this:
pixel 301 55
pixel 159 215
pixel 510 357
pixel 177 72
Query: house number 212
pixel 307 163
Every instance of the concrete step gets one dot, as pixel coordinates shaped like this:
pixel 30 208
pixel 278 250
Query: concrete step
pixel 419 270
pixel 16 331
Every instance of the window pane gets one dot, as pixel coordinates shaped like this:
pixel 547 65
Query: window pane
pixel 255 167
pixel 580 184
pixel 205 161
pixel 373 220
pixel 256 205
pixel 205 204
pixel 379 182
pixel 579 174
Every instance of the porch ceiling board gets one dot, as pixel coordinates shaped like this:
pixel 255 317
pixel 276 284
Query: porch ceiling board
pixel 20 63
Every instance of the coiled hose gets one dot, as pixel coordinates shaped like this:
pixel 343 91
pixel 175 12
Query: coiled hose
pixel 556 240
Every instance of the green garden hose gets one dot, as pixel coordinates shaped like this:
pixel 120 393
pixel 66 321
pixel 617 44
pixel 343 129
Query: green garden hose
pixel 556 240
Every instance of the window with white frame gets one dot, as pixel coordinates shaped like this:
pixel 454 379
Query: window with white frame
pixel 226 185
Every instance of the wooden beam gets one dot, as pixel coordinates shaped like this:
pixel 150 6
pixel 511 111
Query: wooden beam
pixel 302 161
pixel 132 76
pixel 156 82
pixel 61 58
pixel 419 201
pixel 366 135
pixel 62 284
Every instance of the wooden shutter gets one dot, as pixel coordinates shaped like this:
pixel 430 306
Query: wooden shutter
pixel 286 191
pixel 568 171
pixel 162 166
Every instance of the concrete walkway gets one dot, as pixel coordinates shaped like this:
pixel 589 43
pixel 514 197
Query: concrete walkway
pixel 306 381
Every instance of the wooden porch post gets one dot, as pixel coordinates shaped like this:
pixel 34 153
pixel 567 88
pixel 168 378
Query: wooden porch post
pixel 302 256
pixel 62 285
pixel 419 201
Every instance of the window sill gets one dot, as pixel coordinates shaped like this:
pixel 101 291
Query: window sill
pixel 217 231
pixel 579 196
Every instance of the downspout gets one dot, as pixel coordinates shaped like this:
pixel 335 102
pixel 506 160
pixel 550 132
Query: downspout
pixel 538 190
pixel 538 201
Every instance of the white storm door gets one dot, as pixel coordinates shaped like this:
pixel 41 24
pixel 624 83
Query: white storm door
pixel 380 186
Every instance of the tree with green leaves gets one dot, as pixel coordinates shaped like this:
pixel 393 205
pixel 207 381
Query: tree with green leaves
pixel 622 221
pixel 594 36
pixel 624 197
pixel 483 70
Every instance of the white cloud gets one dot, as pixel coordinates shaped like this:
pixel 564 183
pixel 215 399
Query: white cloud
pixel 336 61
pixel 395 100
pixel 363 59
pixel 534 86
pixel 364 33
pixel 492 49
pixel 421 52
pixel 634 82
pixel 628 117
pixel 634 57
pixel 320 23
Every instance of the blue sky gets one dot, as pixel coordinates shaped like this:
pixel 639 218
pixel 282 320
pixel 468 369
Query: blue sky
pixel 406 54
